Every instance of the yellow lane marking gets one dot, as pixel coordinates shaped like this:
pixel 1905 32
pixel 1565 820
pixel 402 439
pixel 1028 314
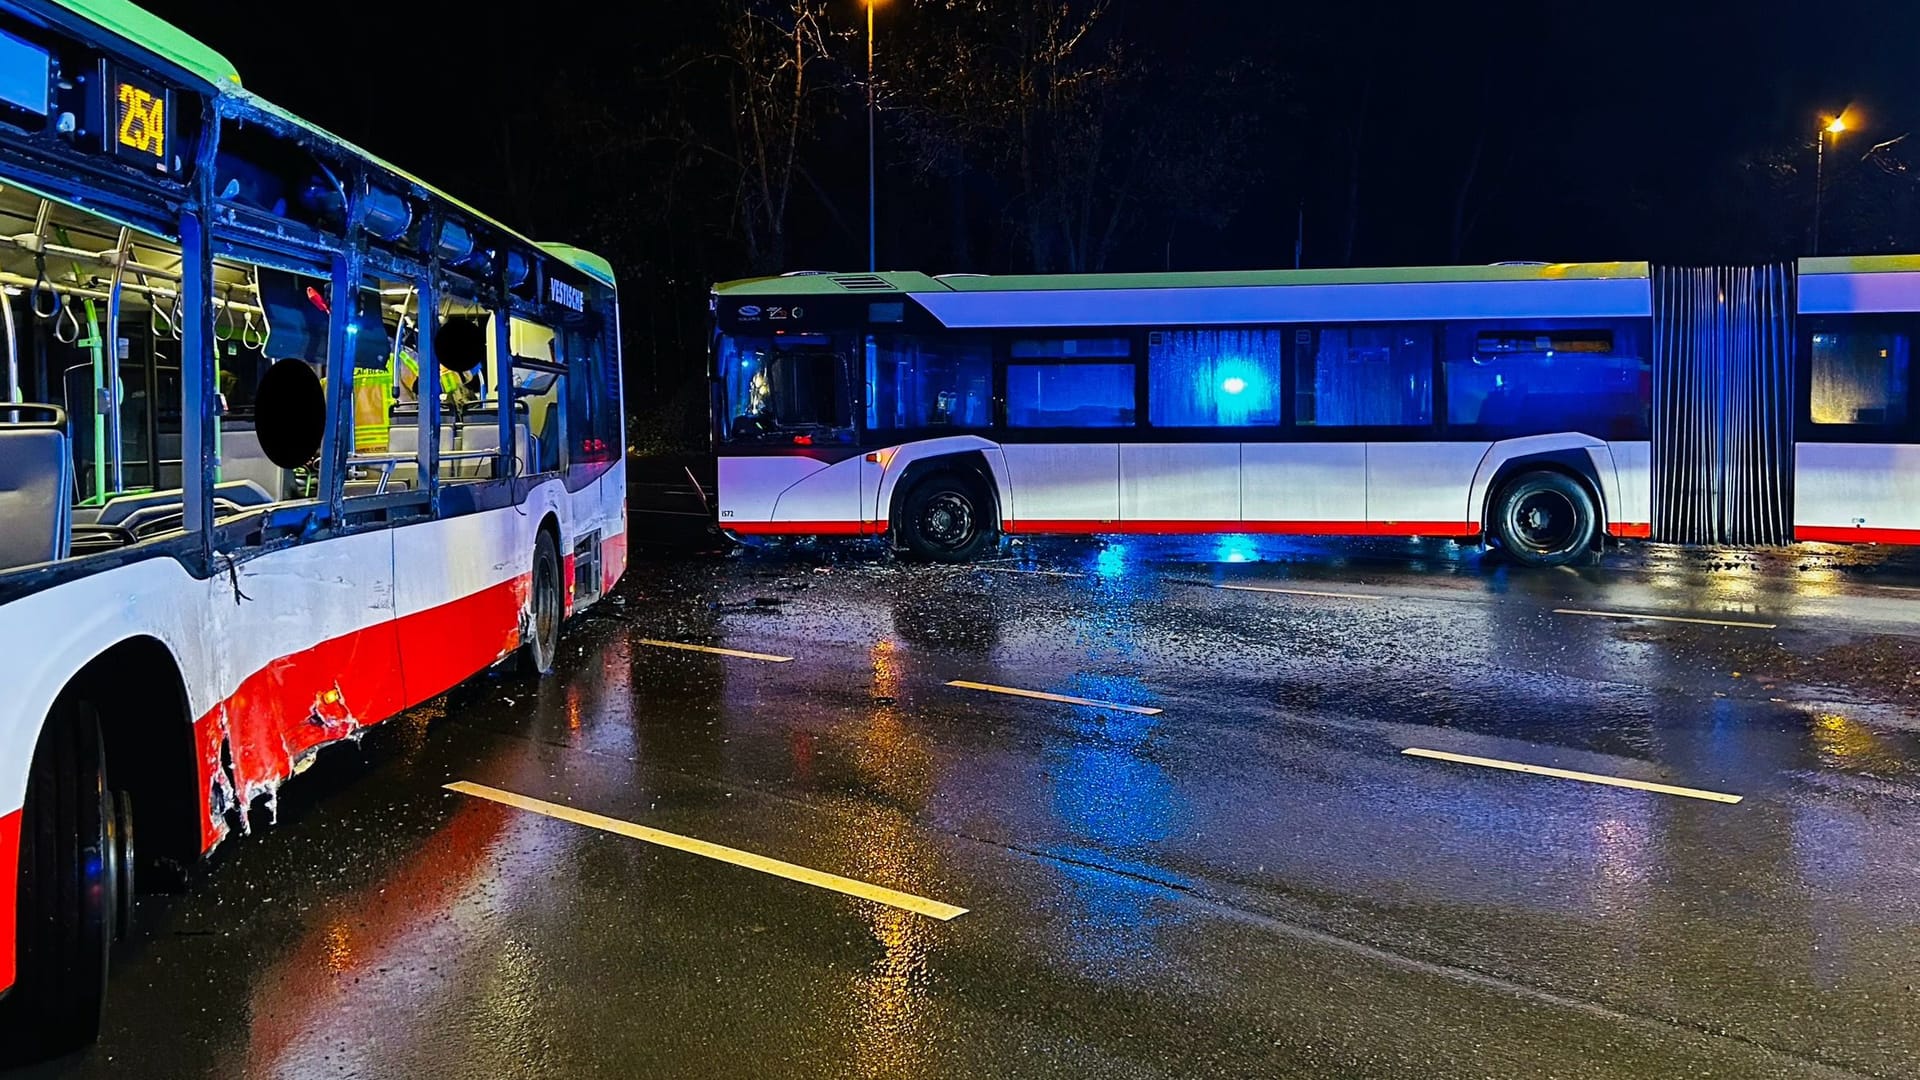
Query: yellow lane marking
pixel 718 652
pixel 1143 710
pixel 1017 570
pixel 1664 618
pixel 791 871
pixel 1302 592
pixel 1568 774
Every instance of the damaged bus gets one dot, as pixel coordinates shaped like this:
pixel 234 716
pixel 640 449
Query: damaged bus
pixel 289 441
pixel 1541 409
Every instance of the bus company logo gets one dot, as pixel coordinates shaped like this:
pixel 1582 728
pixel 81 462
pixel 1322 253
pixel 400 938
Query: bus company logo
pixel 775 311
pixel 749 311
pixel 571 297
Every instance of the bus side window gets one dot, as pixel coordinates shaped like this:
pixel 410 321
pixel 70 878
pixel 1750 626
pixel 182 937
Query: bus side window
pixel 1367 376
pixel 1545 376
pixel 916 382
pixel 1861 374
pixel 1213 378
pixel 592 389
pixel 1071 382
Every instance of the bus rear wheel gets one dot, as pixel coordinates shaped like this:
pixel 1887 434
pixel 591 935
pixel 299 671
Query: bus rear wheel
pixel 947 517
pixel 76 887
pixel 1545 519
pixel 542 648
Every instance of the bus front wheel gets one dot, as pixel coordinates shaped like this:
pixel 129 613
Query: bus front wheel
pixel 947 518
pixel 1545 519
pixel 76 887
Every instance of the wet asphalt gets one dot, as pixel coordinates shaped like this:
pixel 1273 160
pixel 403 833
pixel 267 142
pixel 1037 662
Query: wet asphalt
pixel 1255 881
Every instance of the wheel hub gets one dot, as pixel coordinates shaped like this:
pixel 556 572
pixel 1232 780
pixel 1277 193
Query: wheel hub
pixel 948 519
pixel 1544 520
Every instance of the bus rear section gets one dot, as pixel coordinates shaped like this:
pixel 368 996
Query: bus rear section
pixel 1509 405
pixel 270 472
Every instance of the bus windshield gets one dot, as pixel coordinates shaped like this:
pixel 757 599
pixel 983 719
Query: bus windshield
pixel 788 388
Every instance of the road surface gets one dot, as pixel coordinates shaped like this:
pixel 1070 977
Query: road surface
pixel 865 849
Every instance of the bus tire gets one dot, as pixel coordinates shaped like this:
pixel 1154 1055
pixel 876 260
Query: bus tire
pixel 75 858
pixel 1545 518
pixel 948 517
pixel 542 647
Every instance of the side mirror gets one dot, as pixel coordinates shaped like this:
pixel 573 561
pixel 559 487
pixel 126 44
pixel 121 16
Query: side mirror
pixel 290 414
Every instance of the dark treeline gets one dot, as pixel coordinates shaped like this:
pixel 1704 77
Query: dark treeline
pixel 702 140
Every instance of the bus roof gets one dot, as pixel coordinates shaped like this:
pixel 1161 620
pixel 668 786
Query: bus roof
pixel 158 36
pixel 148 31
pixel 912 282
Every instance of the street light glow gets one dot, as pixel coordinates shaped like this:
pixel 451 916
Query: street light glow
pixel 1837 125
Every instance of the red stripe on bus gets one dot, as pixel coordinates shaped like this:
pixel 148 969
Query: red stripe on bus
pixel 613 561
pixel 1630 530
pixel 443 646
pixel 1293 528
pixel 9 888
pixel 1847 534
pixel 806 528
pixel 325 693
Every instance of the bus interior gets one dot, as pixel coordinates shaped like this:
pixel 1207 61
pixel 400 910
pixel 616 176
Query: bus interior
pixel 91 410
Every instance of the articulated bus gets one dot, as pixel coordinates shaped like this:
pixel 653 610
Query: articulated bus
pixel 289 442
pixel 1540 409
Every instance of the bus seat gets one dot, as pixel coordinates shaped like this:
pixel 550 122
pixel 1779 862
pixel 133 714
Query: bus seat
pixel 36 482
pixel 485 435
pixel 405 439
pixel 161 518
pixel 239 493
pixel 357 488
pixel 241 458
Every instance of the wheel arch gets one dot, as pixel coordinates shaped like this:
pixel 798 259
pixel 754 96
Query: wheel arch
pixel 139 689
pixel 1574 462
pixel 972 464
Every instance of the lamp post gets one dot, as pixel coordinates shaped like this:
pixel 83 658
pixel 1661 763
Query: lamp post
pixel 873 243
pixel 1833 127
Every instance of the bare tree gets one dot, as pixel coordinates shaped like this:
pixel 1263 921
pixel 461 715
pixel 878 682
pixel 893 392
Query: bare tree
pixel 1026 91
pixel 771 69
pixel 1041 105
pixel 778 94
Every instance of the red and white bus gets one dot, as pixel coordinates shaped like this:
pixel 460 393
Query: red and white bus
pixel 289 442
pixel 1541 408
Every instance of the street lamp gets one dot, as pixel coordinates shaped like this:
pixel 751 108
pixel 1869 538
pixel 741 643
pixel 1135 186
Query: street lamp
pixel 1832 126
pixel 873 243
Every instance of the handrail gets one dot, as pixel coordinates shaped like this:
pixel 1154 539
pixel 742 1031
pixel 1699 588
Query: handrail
pixel 387 463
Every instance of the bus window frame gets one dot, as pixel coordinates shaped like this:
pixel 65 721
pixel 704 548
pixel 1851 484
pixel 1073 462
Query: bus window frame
pixel 1494 432
pixel 1805 430
pixel 1004 360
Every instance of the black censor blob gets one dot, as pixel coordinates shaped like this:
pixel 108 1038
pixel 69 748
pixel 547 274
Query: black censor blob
pixel 460 345
pixel 290 413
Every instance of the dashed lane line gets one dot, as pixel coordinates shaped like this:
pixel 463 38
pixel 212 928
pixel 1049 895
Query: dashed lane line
pixel 1569 774
pixel 718 652
pixel 920 905
pixel 1301 592
pixel 1321 593
pixel 1666 618
pixel 1038 695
